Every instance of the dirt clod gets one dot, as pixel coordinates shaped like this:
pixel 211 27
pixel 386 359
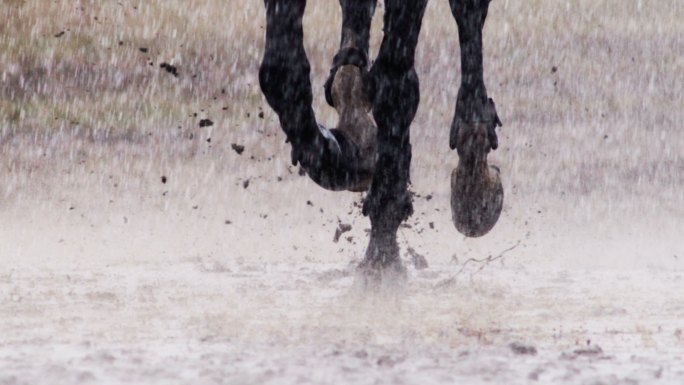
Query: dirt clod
pixel 206 123
pixel 590 351
pixel 522 349
pixel 238 148
pixel 341 229
pixel 419 261
pixel 173 70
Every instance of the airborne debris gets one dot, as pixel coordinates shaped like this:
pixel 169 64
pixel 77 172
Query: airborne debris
pixel 206 123
pixel 341 229
pixel 164 179
pixel 143 49
pixel 419 261
pixel 245 184
pixel 238 148
pixel 173 70
pixel 590 351
pixel 521 349
pixel 60 34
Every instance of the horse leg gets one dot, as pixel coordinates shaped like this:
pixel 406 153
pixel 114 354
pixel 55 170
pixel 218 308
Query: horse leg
pixel 392 86
pixel 326 156
pixel 476 190
pixel 344 88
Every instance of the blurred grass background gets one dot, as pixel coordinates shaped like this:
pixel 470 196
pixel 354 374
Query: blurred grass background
pixel 590 94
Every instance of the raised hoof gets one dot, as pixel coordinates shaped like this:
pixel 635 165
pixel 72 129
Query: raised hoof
pixel 355 121
pixel 476 199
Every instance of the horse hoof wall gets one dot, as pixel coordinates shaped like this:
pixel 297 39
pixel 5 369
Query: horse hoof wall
pixel 476 200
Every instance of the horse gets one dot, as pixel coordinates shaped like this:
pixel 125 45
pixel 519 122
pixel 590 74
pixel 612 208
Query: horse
pixel 376 102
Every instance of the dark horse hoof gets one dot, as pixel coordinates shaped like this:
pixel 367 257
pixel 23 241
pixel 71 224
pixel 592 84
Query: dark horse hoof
pixel 476 189
pixel 476 201
pixel 355 122
pixel 343 158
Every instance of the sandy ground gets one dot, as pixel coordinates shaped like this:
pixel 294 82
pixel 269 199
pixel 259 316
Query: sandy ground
pixel 205 322
pixel 201 280
pixel 137 247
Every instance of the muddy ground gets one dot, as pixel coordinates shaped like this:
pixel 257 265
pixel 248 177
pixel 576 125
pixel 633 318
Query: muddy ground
pixel 152 229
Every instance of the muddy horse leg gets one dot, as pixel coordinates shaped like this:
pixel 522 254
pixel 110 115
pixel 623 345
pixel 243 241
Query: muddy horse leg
pixel 324 154
pixel 344 88
pixel 477 193
pixel 392 86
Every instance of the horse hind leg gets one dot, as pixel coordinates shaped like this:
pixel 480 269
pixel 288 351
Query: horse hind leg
pixel 284 76
pixel 344 89
pixel 476 189
pixel 392 84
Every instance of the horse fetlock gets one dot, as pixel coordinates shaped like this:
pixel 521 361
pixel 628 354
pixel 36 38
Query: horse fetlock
pixel 332 161
pixel 382 253
pixel 474 126
pixel 387 210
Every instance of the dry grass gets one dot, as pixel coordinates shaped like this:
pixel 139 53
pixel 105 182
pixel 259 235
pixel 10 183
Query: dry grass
pixel 602 132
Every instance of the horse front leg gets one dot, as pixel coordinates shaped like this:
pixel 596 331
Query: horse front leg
pixel 392 86
pixel 327 157
pixel 476 189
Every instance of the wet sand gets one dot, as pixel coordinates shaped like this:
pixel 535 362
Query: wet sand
pixel 139 244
